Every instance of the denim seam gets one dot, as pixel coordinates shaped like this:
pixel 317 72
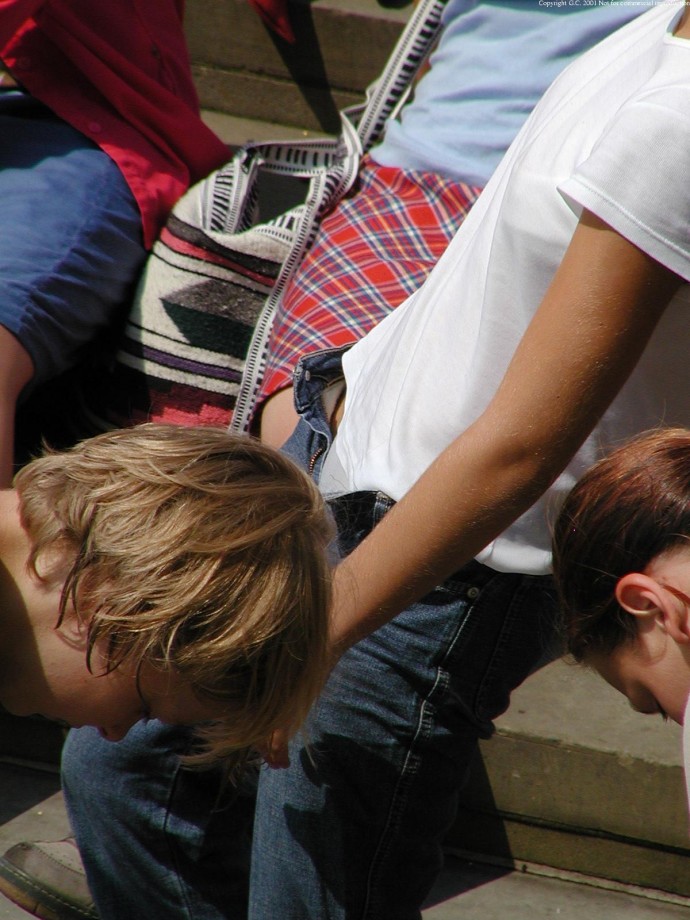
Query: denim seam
pixel 172 849
pixel 409 769
pixel 493 666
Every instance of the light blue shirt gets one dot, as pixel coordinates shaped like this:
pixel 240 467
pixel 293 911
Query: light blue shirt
pixel 494 61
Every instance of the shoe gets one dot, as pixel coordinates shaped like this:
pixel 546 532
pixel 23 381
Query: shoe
pixel 47 880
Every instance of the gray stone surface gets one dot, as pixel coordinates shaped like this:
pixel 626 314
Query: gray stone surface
pixel 473 891
pixel 568 704
pixel 31 808
pixel 242 69
pixel 575 779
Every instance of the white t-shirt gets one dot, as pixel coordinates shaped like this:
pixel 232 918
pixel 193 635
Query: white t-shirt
pixel 613 135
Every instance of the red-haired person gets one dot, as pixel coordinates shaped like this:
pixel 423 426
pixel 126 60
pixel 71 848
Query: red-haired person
pixel 622 568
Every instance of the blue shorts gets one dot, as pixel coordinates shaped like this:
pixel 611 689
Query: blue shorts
pixel 70 238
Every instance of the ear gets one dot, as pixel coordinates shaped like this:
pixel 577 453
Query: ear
pixel 74 630
pixel 653 604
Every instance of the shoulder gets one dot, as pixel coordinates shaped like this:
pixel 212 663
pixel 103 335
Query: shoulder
pixel 682 30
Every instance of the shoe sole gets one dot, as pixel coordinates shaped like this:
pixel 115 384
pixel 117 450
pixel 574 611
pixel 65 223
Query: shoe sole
pixel 25 893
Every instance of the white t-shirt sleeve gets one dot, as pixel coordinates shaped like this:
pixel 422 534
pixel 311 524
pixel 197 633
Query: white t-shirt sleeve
pixel 636 177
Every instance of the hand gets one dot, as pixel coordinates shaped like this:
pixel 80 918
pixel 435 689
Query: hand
pixel 275 753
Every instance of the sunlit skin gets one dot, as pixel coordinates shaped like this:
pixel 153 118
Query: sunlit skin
pixel 655 684
pixel 112 702
pixel 43 667
pixel 653 670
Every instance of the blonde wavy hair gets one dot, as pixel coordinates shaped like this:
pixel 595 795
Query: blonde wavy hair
pixel 196 551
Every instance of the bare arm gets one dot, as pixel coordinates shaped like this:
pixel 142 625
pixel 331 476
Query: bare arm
pixel 584 341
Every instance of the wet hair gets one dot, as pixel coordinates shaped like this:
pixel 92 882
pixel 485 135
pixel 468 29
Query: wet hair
pixel 625 511
pixel 197 551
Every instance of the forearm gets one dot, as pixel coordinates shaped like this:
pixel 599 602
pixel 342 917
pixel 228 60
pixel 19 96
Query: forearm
pixel 471 493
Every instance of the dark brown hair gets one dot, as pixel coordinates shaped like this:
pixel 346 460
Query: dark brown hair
pixel 625 511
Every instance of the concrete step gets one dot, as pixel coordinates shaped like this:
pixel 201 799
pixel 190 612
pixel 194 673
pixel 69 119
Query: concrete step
pixel 236 130
pixel 475 890
pixel 31 739
pixel 32 808
pixel 576 780
pixel 573 780
pixel 243 69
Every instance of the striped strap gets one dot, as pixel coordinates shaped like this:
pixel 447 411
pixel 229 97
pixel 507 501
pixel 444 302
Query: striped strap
pixel 387 95
pixel 331 165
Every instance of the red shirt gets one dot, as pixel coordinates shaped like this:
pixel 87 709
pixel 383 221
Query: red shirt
pixel 118 71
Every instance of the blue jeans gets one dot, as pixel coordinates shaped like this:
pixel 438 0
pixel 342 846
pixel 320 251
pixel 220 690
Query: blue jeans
pixel 71 243
pixel 353 829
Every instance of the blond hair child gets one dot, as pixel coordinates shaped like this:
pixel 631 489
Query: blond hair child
pixel 169 572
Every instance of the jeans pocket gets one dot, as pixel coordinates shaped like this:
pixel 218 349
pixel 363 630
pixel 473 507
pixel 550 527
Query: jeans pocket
pixel 506 631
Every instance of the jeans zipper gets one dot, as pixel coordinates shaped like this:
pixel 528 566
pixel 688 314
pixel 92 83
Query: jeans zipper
pixel 314 457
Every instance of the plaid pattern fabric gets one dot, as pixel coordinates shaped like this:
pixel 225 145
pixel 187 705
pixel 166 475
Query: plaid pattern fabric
pixel 375 249
pixel 182 354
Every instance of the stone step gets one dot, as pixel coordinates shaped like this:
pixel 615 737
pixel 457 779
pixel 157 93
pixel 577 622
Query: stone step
pixel 573 780
pixel 475 890
pixel 576 780
pixel 32 808
pixel 243 69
